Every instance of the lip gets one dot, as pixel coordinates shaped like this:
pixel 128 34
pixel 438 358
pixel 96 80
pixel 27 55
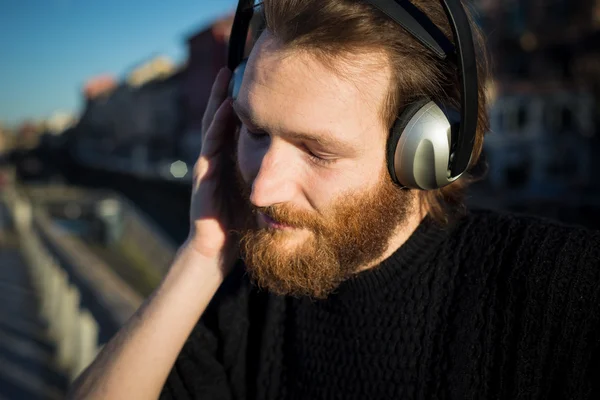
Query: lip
pixel 271 223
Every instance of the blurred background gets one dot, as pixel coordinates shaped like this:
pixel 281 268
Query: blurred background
pixel 100 112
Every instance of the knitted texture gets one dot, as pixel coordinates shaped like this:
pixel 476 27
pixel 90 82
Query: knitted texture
pixel 496 306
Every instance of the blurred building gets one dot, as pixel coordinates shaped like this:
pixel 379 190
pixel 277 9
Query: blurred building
pixel 546 43
pixel 97 120
pixel 157 68
pixel 59 122
pixel 27 135
pixel 541 143
pixel 141 115
pixel 544 115
pixel 156 112
pixel 3 141
pixel 207 53
pixel 98 86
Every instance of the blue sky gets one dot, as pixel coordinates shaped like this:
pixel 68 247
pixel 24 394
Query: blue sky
pixel 49 48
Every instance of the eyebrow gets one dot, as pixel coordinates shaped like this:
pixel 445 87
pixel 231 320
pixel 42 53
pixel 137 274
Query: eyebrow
pixel 323 138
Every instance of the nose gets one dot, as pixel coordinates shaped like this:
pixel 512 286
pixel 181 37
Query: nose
pixel 276 179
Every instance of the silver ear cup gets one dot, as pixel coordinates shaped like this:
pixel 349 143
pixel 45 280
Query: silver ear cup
pixel 423 150
pixel 235 84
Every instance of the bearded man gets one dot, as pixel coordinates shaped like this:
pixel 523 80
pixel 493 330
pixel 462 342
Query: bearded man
pixel 323 262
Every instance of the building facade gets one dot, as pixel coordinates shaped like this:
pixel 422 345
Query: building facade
pixel 139 117
pixel 207 54
pixel 544 114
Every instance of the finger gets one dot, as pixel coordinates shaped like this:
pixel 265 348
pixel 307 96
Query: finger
pixel 222 126
pixel 217 95
pixel 214 140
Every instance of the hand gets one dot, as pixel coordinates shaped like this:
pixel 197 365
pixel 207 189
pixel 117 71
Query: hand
pixel 215 210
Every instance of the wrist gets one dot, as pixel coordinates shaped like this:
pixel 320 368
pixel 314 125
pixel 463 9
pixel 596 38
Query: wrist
pixel 190 256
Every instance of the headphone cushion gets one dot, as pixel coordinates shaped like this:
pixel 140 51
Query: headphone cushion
pixel 237 77
pixel 396 132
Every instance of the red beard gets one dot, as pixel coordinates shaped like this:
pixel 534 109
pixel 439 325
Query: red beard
pixel 319 253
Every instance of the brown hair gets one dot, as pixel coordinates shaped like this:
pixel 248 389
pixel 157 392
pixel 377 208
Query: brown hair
pixel 335 30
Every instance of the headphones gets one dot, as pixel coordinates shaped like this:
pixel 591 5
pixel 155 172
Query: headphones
pixel 429 145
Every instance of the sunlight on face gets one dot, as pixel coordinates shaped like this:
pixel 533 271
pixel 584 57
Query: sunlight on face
pixel 311 160
pixel 308 135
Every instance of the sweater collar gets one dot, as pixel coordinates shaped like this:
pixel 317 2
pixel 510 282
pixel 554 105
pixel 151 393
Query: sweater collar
pixel 404 261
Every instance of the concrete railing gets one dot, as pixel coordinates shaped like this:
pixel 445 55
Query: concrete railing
pixel 135 230
pixel 83 301
pixel 145 235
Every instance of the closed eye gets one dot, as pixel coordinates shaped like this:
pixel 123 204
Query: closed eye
pixel 256 134
pixel 318 159
pixel 313 157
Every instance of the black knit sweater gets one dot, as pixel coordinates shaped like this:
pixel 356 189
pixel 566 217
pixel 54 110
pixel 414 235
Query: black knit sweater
pixel 494 307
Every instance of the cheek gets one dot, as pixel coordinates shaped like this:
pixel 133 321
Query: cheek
pixel 330 187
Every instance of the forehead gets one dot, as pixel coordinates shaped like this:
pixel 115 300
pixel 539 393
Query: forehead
pixel 293 90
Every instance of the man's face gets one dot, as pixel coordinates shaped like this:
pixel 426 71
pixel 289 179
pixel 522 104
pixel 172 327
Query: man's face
pixel 311 160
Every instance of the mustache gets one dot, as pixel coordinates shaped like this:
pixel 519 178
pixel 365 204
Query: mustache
pixel 285 215
pixel 280 213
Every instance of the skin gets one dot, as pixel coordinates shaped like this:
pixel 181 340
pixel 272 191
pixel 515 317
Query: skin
pixel 135 363
pixel 330 144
